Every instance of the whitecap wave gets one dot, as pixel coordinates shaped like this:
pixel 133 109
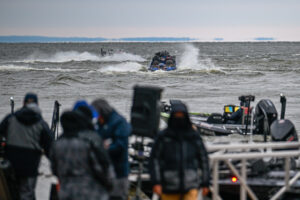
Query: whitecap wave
pixel 61 57
pixel 28 68
pixel 122 67
pixel 15 68
pixel 69 56
pixel 122 57
pixel 189 60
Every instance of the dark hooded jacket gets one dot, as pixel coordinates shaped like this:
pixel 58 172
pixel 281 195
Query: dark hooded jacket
pixel 27 137
pixel 118 130
pixel 179 160
pixel 79 160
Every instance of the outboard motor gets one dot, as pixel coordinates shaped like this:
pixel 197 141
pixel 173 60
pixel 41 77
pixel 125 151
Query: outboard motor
pixel 215 118
pixel 283 130
pixel 265 114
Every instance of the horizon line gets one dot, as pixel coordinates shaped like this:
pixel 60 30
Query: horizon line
pixel 40 39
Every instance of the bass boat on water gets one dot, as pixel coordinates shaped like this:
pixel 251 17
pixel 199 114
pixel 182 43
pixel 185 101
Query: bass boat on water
pixel 242 119
pixel 163 61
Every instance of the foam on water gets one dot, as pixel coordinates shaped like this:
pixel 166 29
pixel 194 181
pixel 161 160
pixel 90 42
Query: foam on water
pixel 68 56
pixel 122 67
pixel 11 67
pixel 61 57
pixel 123 56
pixel 189 60
pixel 15 68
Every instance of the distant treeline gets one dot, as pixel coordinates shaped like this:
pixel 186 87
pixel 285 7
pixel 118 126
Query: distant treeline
pixel 41 39
pixel 13 39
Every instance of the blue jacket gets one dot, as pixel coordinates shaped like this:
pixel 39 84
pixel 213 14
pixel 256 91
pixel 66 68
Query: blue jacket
pixel 118 130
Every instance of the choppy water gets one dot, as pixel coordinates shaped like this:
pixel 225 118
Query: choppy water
pixel 209 75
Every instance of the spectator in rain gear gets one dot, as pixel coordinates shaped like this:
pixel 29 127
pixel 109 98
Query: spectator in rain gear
pixel 86 109
pixel 79 160
pixel 115 130
pixel 176 158
pixel 27 137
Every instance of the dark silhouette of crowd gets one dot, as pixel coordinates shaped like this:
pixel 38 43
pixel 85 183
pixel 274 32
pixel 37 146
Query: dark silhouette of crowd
pixel 90 157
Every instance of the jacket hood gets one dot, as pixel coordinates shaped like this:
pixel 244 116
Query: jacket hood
pixel 103 108
pixel 29 114
pixel 176 123
pixel 86 109
pixel 30 98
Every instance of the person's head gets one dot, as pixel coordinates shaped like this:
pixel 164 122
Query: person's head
pixel 73 122
pixel 103 108
pixel 179 118
pixel 30 98
pixel 169 62
pixel 161 65
pixel 83 107
pixel 155 62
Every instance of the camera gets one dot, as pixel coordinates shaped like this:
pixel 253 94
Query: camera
pixel 247 98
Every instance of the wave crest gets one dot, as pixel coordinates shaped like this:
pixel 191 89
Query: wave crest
pixel 70 56
pixel 122 67
pixel 11 67
pixel 189 60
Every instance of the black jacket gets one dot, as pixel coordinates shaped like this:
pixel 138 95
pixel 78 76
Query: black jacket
pixel 179 160
pixel 79 160
pixel 81 156
pixel 175 162
pixel 27 137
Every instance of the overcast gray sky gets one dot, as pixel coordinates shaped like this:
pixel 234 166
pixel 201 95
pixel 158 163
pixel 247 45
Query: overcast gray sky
pixel 205 20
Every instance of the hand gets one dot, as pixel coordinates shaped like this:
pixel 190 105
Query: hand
pixel 194 127
pixel 157 189
pixel 205 191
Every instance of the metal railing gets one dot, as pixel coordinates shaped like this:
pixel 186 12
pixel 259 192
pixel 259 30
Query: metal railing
pixel 221 153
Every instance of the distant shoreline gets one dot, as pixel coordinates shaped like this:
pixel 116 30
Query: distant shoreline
pixel 45 39
pixel 41 39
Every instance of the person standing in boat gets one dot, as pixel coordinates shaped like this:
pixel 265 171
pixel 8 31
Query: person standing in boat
pixel 237 116
pixel 177 157
pixel 79 160
pixel 115 130
pixel 27 137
